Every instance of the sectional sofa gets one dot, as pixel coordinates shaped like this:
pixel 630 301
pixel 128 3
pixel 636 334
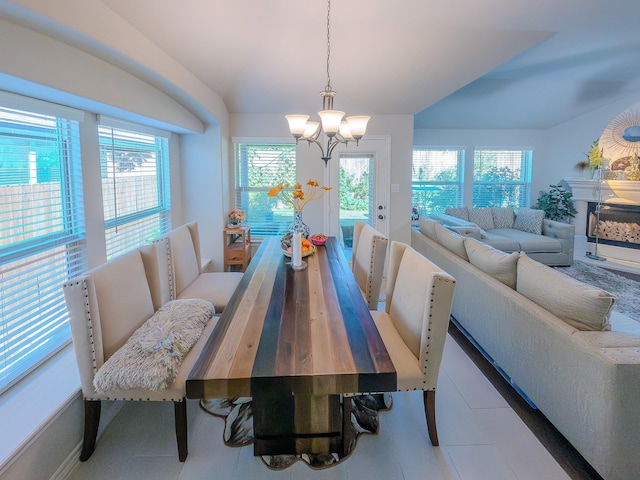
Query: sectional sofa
pixel 526 230
pixel 555 338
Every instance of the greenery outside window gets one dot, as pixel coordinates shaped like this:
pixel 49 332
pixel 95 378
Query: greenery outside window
pixel 134 163
pixel 258 167
pixel 41 230
pixel 437 178
pixel 501 177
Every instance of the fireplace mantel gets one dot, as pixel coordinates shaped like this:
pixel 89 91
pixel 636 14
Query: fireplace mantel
pixel 613 191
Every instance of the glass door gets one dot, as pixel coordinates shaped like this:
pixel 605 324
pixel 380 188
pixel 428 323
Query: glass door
pixel 359 176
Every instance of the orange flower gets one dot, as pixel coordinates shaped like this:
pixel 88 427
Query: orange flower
pixel 296 196
pixel 274 191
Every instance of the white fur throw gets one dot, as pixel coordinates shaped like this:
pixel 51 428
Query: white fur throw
pixel 151 358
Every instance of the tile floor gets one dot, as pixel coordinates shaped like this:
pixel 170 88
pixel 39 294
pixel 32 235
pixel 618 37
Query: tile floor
pixel 481 438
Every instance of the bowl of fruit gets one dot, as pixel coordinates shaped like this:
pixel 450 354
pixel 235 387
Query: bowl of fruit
pixel 318 239
pixel 286 246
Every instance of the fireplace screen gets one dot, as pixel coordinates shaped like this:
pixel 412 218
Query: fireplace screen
pixel 618 224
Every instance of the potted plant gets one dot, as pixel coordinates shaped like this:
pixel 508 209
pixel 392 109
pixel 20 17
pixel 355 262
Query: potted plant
pixel 557 204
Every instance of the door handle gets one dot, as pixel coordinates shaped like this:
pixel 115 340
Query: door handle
pixel 381 217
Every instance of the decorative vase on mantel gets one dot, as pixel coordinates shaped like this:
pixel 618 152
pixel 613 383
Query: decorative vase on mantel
pixel 298 225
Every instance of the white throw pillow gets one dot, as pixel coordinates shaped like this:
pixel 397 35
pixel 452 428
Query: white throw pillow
pixel 500 265
pixel 462 213
pixel 428 227
pixel 529 220
pixel 451 241
pixel 503 217
pixel 580 305
pixel 482 217
pixel 152 356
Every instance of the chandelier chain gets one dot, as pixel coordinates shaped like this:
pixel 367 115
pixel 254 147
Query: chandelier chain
pixel 328 43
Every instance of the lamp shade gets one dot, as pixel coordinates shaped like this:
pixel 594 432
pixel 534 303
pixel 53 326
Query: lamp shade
pixel 297 124
pixel 312 131
pixel 331 121
pixel 345 131
pixel 358 126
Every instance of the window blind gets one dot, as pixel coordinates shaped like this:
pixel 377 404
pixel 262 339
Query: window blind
pixel 258 167
pixel 501 177
pixel 437 176
pixel 41 234
pixel 135 187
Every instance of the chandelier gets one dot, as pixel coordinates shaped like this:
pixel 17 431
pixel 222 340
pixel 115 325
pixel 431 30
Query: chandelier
pixel 331 122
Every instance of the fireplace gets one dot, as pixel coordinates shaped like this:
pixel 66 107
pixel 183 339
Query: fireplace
pixel 618 225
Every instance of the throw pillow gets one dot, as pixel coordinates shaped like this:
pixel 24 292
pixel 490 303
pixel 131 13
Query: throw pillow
pixel 451 241
pixel 503 217
pixel 529 220
pixel 580 305
pixel 498 264
pixel 462 213
pixel 428 227
pixel 481 217
pixel 150 359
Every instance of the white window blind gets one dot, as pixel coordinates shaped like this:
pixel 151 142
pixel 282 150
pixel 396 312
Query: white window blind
pixel 501 177
pixel 437 176
pixel 135 187
pixel 258 167
pixel 41 233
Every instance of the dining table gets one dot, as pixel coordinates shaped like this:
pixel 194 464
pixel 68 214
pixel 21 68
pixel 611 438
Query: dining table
pixel 298 341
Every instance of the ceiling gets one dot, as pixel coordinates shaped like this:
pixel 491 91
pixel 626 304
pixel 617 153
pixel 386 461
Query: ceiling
pixel 468 64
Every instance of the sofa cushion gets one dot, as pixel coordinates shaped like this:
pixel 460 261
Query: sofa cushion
pixel 150 359
pixel 451 241
pixel 462 213
pixel 530 242
pixel 529 220
pixel 503 217
pixel 500 265
pixel 580 305
pixel 428 227
pixel 482 217
pixel 500 242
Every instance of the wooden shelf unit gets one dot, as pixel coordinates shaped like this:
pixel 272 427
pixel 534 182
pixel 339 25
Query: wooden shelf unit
pixel 237 248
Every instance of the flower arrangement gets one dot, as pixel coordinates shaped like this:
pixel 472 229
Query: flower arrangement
pixel 595 155
pixel 236 217
pixel 296 196
pixel 556 203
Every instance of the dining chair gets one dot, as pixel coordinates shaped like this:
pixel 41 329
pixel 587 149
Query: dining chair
pixel 414 323
pixel 107 305
pixel 369 251
pixel 186 278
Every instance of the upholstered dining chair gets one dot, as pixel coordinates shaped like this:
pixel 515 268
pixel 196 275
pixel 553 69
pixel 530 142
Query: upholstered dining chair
pixel 107 306
pixel 187 280
pixel 414 323
pixel 369 251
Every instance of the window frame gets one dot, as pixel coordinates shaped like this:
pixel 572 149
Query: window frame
pixel 421 185
pixel 130 230
pixel 523 184
pixel 260 225
pixel 34 322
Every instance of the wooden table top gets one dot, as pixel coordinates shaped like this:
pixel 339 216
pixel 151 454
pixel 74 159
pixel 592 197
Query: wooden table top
pixel 305 332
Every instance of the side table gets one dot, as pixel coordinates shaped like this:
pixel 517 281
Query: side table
pixel 237 247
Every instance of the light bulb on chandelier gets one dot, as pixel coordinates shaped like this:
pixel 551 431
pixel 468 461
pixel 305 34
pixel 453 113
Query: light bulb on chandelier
pixel 331 122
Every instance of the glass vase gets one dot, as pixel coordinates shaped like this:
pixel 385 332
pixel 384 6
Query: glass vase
pixel 298 225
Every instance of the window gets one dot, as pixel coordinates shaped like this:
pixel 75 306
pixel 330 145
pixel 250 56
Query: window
pixel 41 230
pixel 258 167
pixel 134 163
pixel 437 178
pixel 501 177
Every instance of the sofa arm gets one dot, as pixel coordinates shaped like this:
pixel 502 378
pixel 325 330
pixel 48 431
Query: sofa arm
pixel 563 232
